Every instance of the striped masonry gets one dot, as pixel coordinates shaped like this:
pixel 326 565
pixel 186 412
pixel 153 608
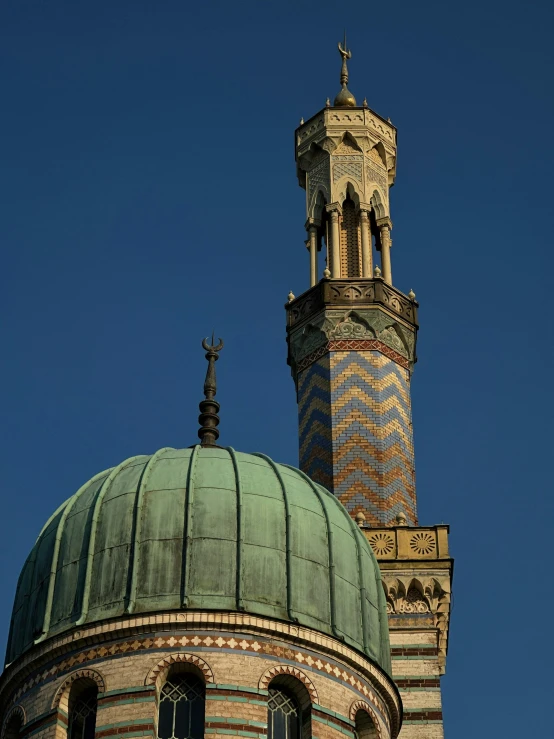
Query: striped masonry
pixel 355 432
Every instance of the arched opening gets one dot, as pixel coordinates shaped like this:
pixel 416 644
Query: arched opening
pixel 350 252
pixel 322 216
pixel 14 726
pixel 83 705
pixel 182 704
pixel 288 709
pixel 365 728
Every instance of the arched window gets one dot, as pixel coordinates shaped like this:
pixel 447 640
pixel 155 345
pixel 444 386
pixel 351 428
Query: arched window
pixel 365 728
pixel 83 702
pixel 288 709
pixel 182 707
pixel 283 715
pixel 350 254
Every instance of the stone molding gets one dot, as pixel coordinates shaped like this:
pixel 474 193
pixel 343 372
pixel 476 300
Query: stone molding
pixel 63 690
pixel 163 667
pixel 268 676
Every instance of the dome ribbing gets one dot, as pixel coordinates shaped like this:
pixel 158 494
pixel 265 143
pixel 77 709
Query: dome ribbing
pixel 202 528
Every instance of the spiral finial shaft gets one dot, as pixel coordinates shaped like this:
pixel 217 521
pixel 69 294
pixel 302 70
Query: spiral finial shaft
pixel 209 407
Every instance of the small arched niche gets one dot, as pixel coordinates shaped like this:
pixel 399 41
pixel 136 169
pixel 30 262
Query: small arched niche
pixel 288 709
pixel 365 728
pixel 13 726
pixel 182 703
pixel 350 251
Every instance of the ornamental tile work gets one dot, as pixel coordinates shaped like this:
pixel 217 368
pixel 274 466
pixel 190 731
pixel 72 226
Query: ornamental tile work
pixel 202 642
pixel 355 430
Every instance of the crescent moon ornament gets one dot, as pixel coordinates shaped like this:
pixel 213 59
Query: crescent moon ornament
pixel 211 348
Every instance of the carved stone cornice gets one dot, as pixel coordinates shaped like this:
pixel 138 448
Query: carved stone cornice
pixel 354 293
pixel 366 314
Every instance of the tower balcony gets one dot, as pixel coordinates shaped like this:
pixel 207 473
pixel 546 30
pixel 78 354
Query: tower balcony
pixel 352 293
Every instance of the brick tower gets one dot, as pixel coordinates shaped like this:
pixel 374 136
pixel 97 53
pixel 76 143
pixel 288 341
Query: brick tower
pixel 352 349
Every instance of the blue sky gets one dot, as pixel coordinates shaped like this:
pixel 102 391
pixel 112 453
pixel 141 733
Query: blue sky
pixel 148 195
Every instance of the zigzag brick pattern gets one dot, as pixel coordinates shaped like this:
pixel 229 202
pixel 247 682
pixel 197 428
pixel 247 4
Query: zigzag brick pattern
pixel 356 433
pixel 315 424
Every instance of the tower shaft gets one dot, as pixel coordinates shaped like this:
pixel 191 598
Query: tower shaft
pixel 351 349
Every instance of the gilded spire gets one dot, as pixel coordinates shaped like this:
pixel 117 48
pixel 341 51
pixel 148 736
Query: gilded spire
pixel 344 99
pixel 209 407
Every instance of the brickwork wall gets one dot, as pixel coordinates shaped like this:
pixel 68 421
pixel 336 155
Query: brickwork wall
pixel 237 666
pixel 416 672
pixel 355 429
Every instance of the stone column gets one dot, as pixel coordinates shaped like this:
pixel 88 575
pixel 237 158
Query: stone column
pixel 386 244
pixel 335 244
pixel 365 227
pixel 313 255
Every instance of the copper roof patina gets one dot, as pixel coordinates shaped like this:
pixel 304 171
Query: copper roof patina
pixel 202 528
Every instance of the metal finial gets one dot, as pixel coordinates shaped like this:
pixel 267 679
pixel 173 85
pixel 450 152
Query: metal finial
pixel 344 99
pixel 345 54
pixel 209 408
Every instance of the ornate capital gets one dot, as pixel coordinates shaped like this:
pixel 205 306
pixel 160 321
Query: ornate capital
pixel 384 223
pixel 334 209
pixel 312 223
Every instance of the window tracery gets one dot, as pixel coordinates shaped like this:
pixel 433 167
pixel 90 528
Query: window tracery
pixel 283 715
pixel 182 708
pixel 82 714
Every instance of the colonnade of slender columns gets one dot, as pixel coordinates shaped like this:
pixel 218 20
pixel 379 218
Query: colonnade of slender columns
pixel 333 248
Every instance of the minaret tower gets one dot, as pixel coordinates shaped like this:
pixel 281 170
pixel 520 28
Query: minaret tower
pixel 352 336
pixel 352 349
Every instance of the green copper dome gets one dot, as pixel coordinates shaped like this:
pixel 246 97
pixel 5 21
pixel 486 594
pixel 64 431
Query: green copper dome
pixel 202 528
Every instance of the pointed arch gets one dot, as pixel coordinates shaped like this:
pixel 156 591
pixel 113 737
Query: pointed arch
pixel 378 203
pixel 349 141
pixel 319 201
pixel 349 189
pixel 378 154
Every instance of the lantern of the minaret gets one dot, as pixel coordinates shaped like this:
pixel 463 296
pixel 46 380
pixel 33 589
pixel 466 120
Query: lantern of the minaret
pixel 346 162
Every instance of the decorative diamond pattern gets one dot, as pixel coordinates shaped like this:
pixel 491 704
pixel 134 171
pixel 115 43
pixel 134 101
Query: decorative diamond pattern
pixel 257 647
